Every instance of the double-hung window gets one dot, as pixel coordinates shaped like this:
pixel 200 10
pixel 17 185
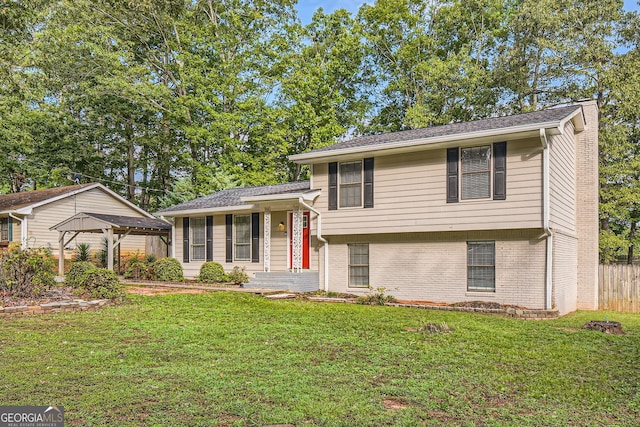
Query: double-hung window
pixel 198 239
pixel 4 229
pixel 359 265
pixel 242 243
pixel 351 184
pixel 481 266
pixel 476 172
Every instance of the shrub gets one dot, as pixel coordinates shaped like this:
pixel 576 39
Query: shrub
pixel 103 283
pixel 137 268
pixel 168 270
pixel 81 252
pixel 238 275
pixel 212 272
pixel 26 273
pixel 78 273
pixel 376 297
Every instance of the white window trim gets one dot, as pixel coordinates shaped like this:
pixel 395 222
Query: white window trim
pixel 483 291
pixel 461 174
pixel 192 230
pixel 361 161
pixel 349 265
pixel 235 235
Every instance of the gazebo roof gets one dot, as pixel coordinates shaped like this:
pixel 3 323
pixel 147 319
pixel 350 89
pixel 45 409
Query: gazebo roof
pixel 87 222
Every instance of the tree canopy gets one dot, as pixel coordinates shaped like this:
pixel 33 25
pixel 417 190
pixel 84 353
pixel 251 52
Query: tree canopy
pixel 167 100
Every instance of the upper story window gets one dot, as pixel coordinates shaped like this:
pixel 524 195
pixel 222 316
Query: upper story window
pixel 477 172
pixel 351 184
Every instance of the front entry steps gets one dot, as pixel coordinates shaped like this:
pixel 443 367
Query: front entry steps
pixel 285 281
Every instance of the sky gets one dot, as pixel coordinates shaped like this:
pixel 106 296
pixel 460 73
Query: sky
pixel 307 7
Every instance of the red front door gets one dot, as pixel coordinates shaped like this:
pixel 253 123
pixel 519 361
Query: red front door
pixel 306 221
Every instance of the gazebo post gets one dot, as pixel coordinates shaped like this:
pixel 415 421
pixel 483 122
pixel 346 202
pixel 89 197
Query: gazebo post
pixel 61 254
pixel 108 232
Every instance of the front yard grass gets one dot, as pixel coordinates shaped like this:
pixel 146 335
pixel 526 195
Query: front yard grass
pixel 236 359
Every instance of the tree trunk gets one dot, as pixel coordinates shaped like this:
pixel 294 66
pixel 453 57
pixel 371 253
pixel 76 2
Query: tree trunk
pixel 632 235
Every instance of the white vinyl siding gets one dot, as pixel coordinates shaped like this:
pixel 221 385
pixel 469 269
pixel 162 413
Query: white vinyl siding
pixel 198 238
pixel 351 184
pixel 359 265
pixel 476 172
pixel 242 232
pixel 481 266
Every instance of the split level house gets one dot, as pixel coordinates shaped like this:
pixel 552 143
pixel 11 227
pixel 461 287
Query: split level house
pixel 62 217
pixel 502 210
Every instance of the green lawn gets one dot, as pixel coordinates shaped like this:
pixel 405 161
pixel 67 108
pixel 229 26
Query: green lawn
pixel 236 359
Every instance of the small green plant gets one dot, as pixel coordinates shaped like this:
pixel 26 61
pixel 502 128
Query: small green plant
pixel 238 275
pixel 78 273
pixel 150 258
pixel 102 283
pixel 81 253
pixel 168 270
pixel 137 268
pixel 212 272
pixel 375 297
pixel 26 273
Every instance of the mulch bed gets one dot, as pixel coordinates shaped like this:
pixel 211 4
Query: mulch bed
pixel 59 293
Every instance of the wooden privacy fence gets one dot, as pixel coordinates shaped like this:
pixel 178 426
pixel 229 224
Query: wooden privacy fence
pixel 619 287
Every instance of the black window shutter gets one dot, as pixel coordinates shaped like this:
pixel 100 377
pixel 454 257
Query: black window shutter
pixel 368 182
pixel 452 174
pixel 500 171
pixel 333 186
pixel 229 238
pixel 209 232
pixel 185 239
pixel 255 237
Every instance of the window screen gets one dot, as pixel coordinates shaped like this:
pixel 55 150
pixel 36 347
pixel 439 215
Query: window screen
pixel 198 239
pixel 481 266
pixel 359 265
pixel 243 237
pixel 350 184
pixel 476 172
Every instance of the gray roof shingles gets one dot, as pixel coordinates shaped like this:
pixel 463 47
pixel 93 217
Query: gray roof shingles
pixel 543 116
pixel 131 221
pixel 233 196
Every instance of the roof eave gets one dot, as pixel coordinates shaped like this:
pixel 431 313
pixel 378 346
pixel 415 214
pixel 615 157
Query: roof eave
pixel 513 132
pixel 187 212
pixel 306 196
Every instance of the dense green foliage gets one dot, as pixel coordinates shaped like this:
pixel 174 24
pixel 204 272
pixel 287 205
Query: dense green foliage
pixel 212 272
pixel 77 274
pixel 26 273
pixel 234 359
pixel 102 283
pixel 238 275
pixel 167 270
pixel 166 101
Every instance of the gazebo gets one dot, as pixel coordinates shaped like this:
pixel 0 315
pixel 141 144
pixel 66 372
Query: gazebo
pixel 111 226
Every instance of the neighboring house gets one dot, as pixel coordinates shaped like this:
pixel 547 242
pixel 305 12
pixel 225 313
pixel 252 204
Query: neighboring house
pixel 502 209
pixel 27 217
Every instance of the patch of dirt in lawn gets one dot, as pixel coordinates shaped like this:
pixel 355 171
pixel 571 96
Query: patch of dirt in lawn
pixel 59 293
pixel 394 404
pixel 143 290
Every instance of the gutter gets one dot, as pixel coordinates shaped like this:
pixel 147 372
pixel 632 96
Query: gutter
pixel 546 220
pixel 323 240
pixel 23 230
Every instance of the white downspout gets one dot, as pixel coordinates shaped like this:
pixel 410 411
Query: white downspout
pixel 323 240
pixel 545 220
pixel 23 230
